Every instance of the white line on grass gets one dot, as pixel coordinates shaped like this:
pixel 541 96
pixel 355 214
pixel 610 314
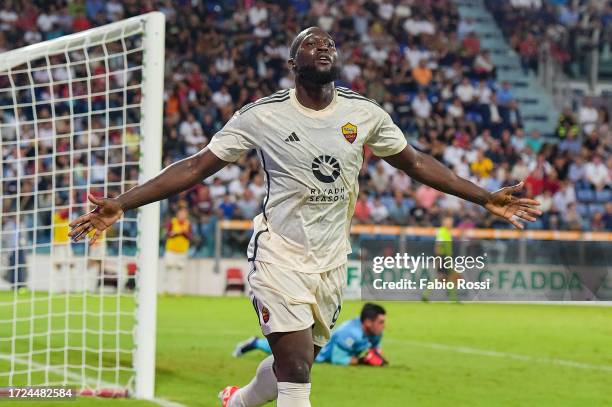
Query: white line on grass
pixel 77 377
pixel 505 355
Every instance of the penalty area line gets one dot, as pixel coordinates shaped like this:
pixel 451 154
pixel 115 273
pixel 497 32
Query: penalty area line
pixel 78 378
pixel 503 355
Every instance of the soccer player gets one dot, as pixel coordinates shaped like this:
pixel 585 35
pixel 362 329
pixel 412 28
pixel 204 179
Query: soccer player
pixel 310 141
pixel 356 341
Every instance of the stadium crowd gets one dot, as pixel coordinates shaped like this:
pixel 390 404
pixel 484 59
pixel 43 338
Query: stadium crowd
pixel 423 65
pixel 566 25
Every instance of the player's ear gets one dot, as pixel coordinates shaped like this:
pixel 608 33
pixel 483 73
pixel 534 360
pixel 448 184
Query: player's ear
pixel 291 64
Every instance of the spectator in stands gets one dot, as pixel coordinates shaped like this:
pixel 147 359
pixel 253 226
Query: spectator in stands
pixel 564 196
pixel 587 116
pixel 484 68
pixel 248 205
pixel 596 174
pixel 572 218
pixel 471 46
pixel 482 166
pixel 422 73
pixel 511 115
pixel 466 93
pixel 528 50
pixel 607 217
pixel 191 132
pixel 534 141
pixel 492 116
pixel 362 209
pixel 571 144
pixel 505 94
pixel 399 213
pixel 178 239
pixel 13 243
pixel 228 207
pixel 566 123
pixel 421 108
pixel 378 212
pixel 426 196
pixel 380 178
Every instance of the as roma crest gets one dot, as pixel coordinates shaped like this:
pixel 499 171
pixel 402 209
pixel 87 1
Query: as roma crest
pixel 349 131
pixel 265 315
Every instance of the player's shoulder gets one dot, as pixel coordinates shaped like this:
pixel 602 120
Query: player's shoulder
pixel 269 102
pixel 350 96
pixel 348 327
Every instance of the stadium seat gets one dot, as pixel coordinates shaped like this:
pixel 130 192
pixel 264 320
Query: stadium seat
pixel 585 195
pixel 583 209
pixel 538 224
pixel 234 280
pixel 596 208
pixel 387 201
pixel 409 203
pixel 603 196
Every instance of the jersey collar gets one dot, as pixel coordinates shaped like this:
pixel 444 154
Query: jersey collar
pixel 310 112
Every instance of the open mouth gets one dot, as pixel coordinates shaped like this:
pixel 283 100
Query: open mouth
pixel 325 60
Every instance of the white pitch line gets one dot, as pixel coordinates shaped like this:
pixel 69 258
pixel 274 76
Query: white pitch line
pixel 77 378
pixel 167 403
pixel 505 355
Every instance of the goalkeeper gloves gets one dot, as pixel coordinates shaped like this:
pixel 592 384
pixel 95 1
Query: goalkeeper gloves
pixel 373 358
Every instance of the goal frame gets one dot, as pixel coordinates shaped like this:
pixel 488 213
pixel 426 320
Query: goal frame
pixel 150 164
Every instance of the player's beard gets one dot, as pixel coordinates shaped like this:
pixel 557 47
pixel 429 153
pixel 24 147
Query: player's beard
pixel 309 73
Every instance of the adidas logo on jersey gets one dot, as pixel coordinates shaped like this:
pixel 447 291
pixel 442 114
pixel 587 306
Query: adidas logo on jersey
pixel 292 137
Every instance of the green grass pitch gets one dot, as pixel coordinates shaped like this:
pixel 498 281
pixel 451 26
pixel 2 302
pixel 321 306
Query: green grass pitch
pixel 440 355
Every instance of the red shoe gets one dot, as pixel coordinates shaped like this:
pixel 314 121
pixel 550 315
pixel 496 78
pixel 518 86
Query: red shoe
pixel 226 394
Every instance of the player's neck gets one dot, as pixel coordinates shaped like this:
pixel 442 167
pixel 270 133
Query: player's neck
pixel 315 97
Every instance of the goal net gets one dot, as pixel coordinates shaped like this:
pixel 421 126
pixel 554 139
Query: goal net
pixel 80 114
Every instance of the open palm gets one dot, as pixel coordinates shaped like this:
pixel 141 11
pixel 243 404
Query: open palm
pixel 107 212
pixel 504 204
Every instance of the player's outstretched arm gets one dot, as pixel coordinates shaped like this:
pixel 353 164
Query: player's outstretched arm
pixel 427 170
pixel 176 178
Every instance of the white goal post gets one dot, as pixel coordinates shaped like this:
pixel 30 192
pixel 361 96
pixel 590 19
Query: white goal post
pixel 80 114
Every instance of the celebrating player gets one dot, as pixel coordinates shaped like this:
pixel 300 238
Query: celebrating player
pixel 310 140
pixel 354 342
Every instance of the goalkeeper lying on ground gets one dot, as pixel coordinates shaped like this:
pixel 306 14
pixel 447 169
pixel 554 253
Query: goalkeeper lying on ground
pixel 356 341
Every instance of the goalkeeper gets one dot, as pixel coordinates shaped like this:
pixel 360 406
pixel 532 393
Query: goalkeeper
pixel 354 342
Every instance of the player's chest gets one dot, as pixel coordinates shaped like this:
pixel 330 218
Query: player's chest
pixel 341 138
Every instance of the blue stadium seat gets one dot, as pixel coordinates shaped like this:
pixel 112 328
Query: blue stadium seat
pixel 583 209
pixel 538 224
pixel 585 195
pixel 603 197
pixel 596 208
pixel 409 203
pixel 386 200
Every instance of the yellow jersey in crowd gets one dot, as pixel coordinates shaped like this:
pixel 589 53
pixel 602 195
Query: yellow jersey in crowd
pixel 60 227
pixel 179 235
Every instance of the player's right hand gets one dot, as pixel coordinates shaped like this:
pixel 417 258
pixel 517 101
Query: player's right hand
pixel 106 212
pixel 373 358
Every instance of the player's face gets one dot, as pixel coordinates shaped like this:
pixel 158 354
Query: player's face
pixel 316 59
pixel 376 326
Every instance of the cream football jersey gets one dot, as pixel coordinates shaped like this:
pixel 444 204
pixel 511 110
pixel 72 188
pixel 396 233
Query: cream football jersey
pixel 311 159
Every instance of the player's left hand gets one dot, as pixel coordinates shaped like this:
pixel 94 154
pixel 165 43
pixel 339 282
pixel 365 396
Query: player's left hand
pixel 373 358
pixel 504 204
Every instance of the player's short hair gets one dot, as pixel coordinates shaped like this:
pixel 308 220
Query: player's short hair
pixel 295 44
pixel 371 311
